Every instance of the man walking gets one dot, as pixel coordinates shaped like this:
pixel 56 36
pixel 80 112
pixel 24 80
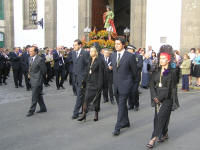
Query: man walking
pixel 37 73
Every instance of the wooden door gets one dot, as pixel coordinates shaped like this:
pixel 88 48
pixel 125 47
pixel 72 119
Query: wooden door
pixel 98 8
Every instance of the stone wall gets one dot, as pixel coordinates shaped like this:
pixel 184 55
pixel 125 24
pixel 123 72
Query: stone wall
pixel 190 26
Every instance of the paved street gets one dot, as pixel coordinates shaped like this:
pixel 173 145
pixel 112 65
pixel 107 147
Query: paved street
pixel 55 130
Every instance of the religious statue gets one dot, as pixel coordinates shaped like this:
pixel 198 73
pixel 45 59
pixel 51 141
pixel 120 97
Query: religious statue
pixel 108 19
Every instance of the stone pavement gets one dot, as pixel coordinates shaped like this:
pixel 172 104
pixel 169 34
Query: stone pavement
pixel 55 130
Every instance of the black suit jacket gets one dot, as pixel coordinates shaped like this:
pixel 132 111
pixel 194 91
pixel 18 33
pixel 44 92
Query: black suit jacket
pixel 80 65
pixel 125 74
pixel 15 61
pixel 108 74
pixel 37 72
pixel 2 61
pixel 95 79
pixel 57 59
pixel 25 59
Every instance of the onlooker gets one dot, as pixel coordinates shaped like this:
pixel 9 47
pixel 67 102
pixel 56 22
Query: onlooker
pixel 147 63
pixel 154 60
pixel 192 56
pixel 185 70
pixel 197 67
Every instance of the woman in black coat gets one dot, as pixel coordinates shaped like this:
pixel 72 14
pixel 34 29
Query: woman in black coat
pixel 163 90
pixel 93 83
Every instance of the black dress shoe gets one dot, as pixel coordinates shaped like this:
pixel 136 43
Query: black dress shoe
pixel 41 111
pixel 126 126
pixel 116 132
pixel 30 114
pixel 105 101
pixel 16 86
pixel 74 116
pixel 136 109
pixel 112 101
pixel 58 88
pixel 62 87
pixel 27 89
pixel 130 107
pixel 21 86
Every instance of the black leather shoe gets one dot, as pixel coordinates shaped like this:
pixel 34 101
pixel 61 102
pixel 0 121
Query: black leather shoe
pixel 74 116
pixel 16 86
pixel 126 126
pixel 58 88
pixel 30 114
pixel 21 86
pixel 105 101
pixel 130 107
pixel 41 111
pixel 136 109
pixel 112 102
pixel 62 87
pixel 116 132
pixel 28 89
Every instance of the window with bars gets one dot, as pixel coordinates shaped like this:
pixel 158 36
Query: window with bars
pixel 29 6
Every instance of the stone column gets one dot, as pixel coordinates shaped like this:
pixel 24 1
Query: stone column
pixel 50 26
pixel 138 23
pixel 190 25
pixel 84 16
pixel 9 24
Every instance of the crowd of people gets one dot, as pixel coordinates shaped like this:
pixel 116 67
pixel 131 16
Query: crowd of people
pixel 99 71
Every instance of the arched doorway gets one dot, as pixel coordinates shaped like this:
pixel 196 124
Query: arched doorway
pixel 121 11
pixel 2 40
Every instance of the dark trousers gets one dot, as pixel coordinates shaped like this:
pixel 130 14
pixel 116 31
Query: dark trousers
pixel 80 96
pixel 60 73
pixel 122 117
pixel 17 73
pixel 2 75
pixel 37 98
pixel 133 100
pixel 108 89
pixel 49 73
pixel 185 82
pixel 27 80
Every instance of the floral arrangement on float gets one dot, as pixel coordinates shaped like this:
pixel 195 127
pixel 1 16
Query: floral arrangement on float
pixel 103 37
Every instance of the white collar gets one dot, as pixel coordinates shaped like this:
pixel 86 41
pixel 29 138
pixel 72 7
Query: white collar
pixel 79 51
pixel 121 53
pixel 33 57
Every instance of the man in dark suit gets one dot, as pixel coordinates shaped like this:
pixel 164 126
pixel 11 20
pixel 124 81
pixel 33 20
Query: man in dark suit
pixel 108 77
pixel 133 100
pixel 25 59
pixel 69 62
pixel 37 73
pixel 80 61
pixel 2 66
pixel 59 67
pixel 15 58
pixel 124 73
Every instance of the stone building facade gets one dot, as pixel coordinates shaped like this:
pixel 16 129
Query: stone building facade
pixel 90 15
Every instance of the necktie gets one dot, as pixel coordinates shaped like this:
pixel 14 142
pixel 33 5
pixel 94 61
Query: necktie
pixel 76 54
pixel 118 59
pixel 31 61
pixel 30 64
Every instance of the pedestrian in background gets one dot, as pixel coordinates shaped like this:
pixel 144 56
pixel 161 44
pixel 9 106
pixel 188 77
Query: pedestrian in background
pixel 185 71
